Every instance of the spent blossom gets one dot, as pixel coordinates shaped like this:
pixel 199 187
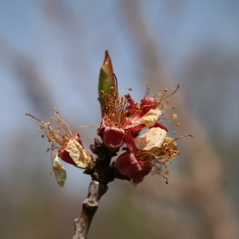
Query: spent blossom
pixel 152 150
pixel 68 145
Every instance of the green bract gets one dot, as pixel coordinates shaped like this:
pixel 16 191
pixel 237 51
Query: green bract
pixel 108 88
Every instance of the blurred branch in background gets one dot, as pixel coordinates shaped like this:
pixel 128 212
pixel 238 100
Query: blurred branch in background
pixel 28 72
pixel 69 27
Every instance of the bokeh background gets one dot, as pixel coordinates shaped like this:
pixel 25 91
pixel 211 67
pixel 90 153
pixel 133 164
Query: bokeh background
pixel 50 55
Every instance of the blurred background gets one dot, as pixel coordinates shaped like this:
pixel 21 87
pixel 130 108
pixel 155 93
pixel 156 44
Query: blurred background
pixel 50 55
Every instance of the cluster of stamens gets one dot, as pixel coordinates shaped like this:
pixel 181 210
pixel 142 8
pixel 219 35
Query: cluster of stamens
pixel 163 103
pixel 58 135
pixel 116 112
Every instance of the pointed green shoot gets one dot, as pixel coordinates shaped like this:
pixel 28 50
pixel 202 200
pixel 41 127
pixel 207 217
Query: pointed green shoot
pixel 108 88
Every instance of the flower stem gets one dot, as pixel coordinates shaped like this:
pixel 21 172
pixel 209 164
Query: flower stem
pixel 89 207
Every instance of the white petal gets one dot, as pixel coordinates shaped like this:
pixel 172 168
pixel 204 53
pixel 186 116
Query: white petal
pixel 150 118
pixel 59 171
pixel 154 137
pixel 78 154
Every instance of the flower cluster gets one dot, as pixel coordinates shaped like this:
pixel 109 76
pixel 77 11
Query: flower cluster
pixel 122 121
pixel 135 127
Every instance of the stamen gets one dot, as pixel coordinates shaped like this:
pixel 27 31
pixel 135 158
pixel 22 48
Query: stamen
pixel 58 139
pixel 161 171
pixel 42 122
pixel 121 92
pixel 85 126
pixel 148 89
pixel 183 136
pixel 174 91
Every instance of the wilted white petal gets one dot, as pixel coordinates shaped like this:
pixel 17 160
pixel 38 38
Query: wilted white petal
pixel 78 154
pixel 150 118
pixel 154 137
pixel 59 171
